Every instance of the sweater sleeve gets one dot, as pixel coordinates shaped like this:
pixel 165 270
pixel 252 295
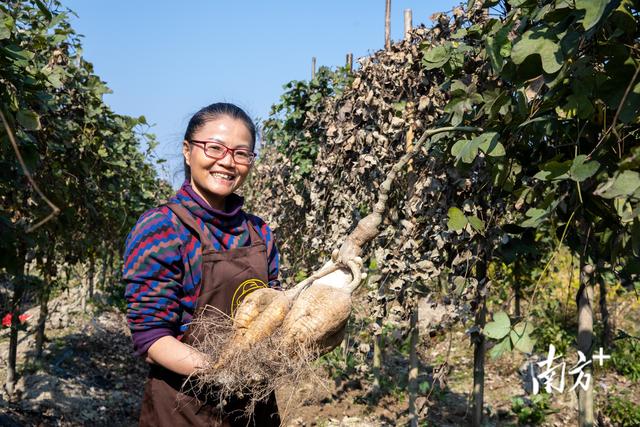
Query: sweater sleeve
pixel 152 274
pixel 273 256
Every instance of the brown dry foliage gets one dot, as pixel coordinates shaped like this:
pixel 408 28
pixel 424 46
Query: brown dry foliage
pixel 390 103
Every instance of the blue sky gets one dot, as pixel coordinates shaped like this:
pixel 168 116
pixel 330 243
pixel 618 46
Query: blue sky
pixel 167 59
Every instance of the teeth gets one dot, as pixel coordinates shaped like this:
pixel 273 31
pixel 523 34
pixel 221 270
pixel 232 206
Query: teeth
pixel 223 176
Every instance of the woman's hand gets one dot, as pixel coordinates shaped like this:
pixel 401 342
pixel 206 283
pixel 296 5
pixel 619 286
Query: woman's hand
pixel 176 356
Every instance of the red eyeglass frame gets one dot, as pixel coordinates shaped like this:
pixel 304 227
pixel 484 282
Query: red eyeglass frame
pixel 227 150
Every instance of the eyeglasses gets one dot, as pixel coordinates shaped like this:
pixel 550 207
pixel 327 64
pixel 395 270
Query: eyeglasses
pixel 216 150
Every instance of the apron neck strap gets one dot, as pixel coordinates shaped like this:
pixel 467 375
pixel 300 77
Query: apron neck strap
pixel 189 221
pixel 253 233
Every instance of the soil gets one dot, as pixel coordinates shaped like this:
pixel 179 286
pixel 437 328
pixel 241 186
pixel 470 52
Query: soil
pixel 88 376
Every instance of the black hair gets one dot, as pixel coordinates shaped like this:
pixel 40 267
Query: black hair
pixel 212 112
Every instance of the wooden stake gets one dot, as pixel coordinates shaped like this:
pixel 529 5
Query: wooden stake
pixel 349 62
pixel 313 67
pixel 413 369
pixel 387 25
pixel 407 24
pixel 478 339
pixel 378 342
pixel 584 301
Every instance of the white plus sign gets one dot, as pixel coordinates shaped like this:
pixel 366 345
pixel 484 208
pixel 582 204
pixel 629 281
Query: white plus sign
pixel 601 356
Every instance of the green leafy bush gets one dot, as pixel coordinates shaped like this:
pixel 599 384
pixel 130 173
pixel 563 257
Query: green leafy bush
pixel 338 364
pixel 531 411
pixel 549 331
pixel 626 358
pixel 622 412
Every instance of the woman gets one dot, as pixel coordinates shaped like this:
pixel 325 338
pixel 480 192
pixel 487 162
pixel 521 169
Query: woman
pixel 200 248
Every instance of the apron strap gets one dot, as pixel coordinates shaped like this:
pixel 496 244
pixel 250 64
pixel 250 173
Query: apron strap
pixel 253 233
pixel 188 220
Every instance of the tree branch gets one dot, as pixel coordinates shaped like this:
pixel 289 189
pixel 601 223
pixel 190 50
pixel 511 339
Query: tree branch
pixel 54 209
pixel 615 117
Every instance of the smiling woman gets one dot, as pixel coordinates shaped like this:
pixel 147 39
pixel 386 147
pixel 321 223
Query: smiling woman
pixel 219 129
pixel 195 251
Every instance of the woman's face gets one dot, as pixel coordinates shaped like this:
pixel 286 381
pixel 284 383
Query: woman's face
pixel 213 179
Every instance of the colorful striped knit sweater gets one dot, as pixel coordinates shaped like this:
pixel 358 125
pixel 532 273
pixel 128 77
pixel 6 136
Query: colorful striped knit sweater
pixel 162 263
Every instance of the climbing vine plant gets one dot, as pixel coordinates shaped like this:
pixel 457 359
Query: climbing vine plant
pixel 74 175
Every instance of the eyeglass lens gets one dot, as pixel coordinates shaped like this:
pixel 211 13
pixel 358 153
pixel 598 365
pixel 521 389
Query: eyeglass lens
pixel 218 151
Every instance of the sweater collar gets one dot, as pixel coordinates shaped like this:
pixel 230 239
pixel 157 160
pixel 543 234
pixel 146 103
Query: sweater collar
pixel 200 207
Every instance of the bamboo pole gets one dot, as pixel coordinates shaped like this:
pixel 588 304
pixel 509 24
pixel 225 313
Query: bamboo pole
pixel 387 25
pixel 313 67
pixel 349 62
pixel 408 24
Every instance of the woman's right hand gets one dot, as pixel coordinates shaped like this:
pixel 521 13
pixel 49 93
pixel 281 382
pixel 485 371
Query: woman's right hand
pixel 176 356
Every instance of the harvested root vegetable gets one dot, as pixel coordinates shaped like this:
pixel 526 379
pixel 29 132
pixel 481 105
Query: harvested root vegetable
pixel 259 315
pixel 320 312
pixel 276 334
pixel 253 304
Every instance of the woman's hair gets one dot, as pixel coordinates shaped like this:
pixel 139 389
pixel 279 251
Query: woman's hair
pixel 213 112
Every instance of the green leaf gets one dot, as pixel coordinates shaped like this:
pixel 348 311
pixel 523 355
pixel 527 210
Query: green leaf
pixel 476 223
pixel 7 24
pixel 593 11
pixel 5 33
pixel 624 184
pixel 55 79
pixel 499 47
pixel 554 170
pixel 577 105
pixel 535 217
pixel 581 170
pixel 623 18
pixel 499 349
pixel 436 57
pixel 28 119
pixel 43 9
pixel 18 53
pixel 465 150
pixel 488 143
pixel 499 327
pixel 537 42
pixel 521 337
pixel 457 220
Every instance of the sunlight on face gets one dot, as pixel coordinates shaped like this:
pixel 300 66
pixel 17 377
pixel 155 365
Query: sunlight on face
pixel 212 179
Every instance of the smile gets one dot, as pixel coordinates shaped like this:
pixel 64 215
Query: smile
pixel 221 175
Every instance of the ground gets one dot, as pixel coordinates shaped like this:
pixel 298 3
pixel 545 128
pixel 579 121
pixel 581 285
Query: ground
pixel 89 377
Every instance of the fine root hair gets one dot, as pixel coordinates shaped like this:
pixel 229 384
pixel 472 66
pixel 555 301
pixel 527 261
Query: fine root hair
pixel 251 373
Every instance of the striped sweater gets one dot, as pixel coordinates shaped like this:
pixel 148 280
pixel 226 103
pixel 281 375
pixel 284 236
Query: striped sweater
pixel 162 261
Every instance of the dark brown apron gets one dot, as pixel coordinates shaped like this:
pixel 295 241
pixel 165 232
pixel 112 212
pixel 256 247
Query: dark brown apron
pixel 227 276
